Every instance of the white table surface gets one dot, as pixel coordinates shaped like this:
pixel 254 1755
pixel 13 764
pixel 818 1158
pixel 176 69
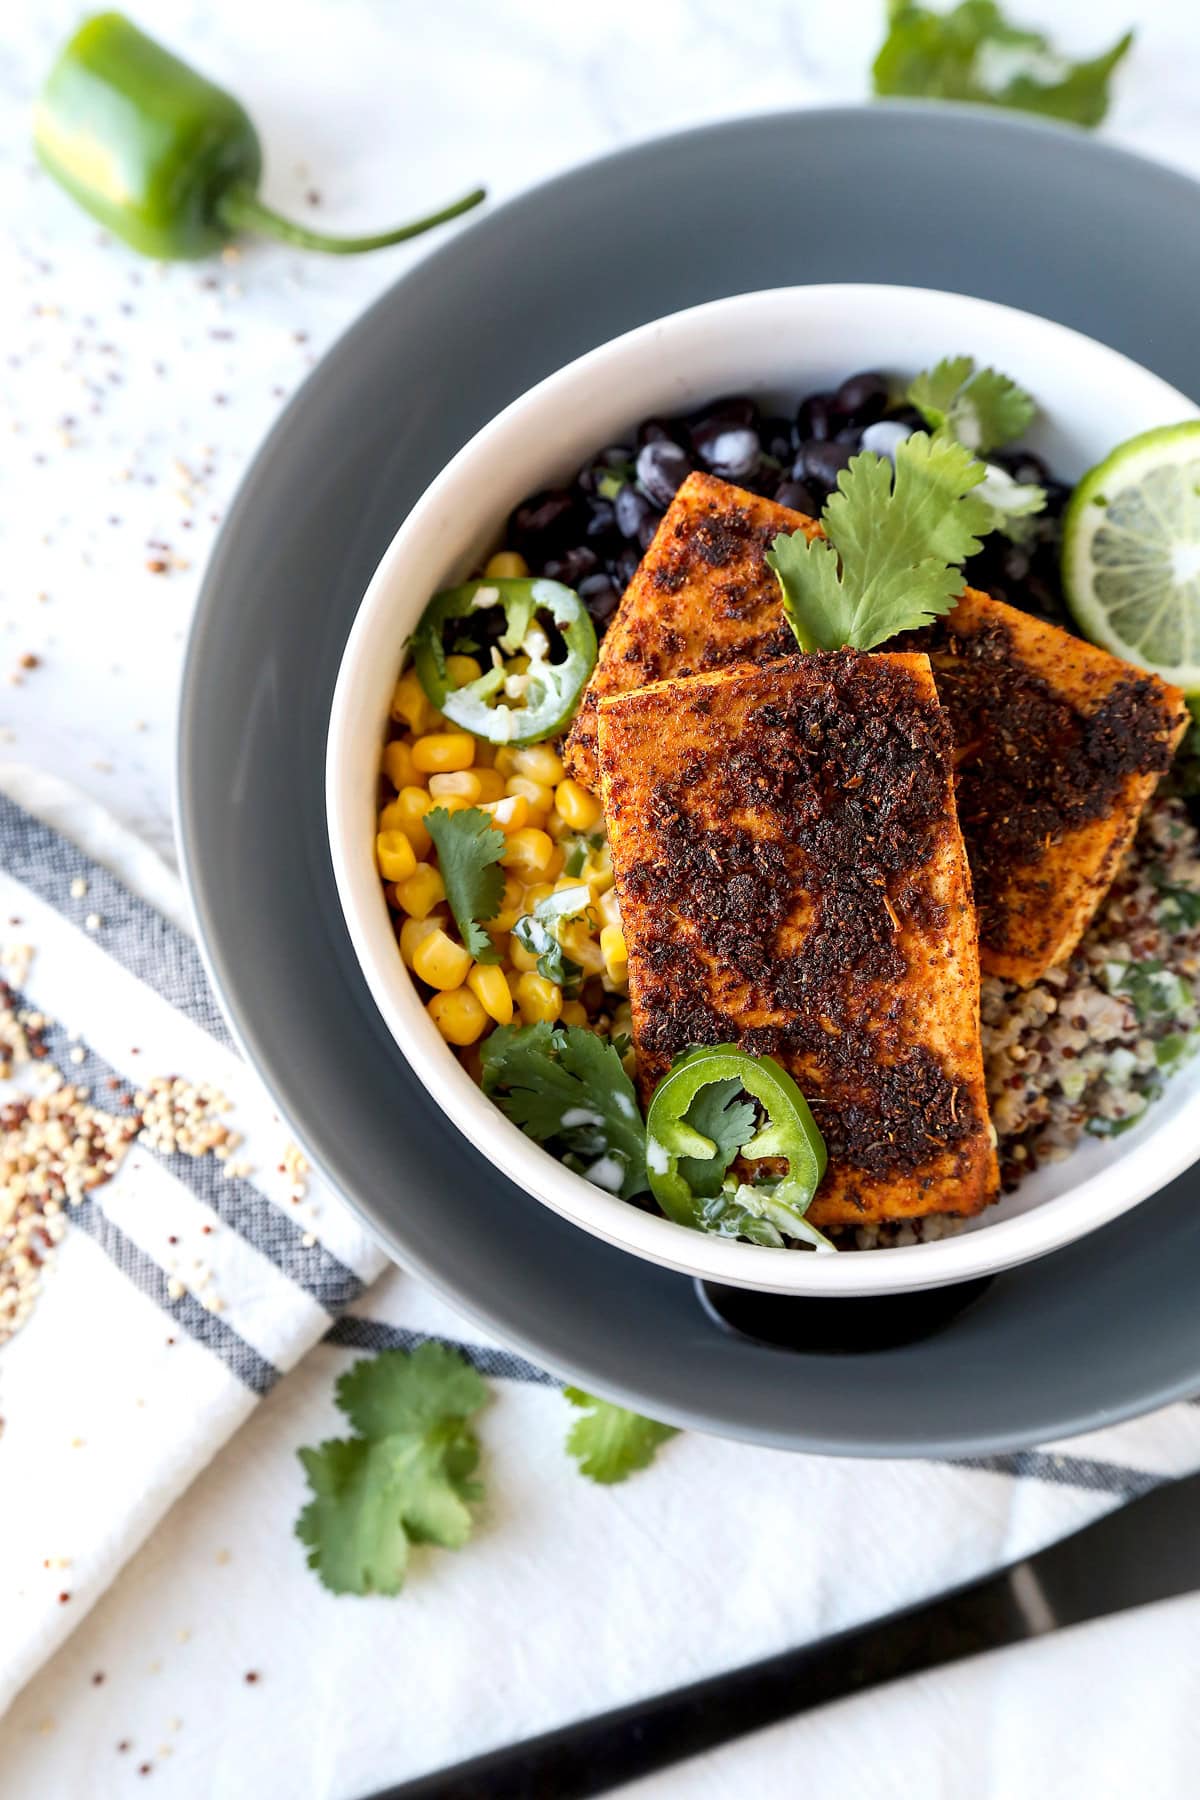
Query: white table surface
pixel 133 396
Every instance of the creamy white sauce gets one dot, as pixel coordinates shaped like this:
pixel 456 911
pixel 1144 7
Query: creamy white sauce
pixel 606 1172
pixel 581 1115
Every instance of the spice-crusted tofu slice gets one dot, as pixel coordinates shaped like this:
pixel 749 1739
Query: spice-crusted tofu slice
pixel 1058 747
pixel 792 879
pixel 703 597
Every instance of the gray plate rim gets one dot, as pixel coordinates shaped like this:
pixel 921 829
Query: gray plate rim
pixel 218 955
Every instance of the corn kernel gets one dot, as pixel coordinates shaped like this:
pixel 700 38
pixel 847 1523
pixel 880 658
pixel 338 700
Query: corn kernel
pixel 573 1013
pixel 491 782
pixel 537 891
pixel 512 977
pixel 463 785
pixel 506 565
pixel 538 999
pixel 490 988
pixel 398 764
pixel 511 906
pixel 508 815
pixel 441 962
pixel 423 890
pixel 450 803
pixel 529 849
pixel 395 856
pixel 616 957
pixel 557 863
pixel 520 957
pixel 540 762
pixel 462 669
pixel 406 813
pixel 582 948
pixel 459 1015
pixel 442 752
pixel 540 798
pixel 413 933
pixel 410 702
pixel 506 760
pixel 580 809
pixel 485 754
pixel 608 908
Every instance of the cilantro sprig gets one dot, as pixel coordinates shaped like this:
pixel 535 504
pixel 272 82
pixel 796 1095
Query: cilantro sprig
pixel 540 932
pixel 469 849
pixel 973 52
pixel 565 1087
pixel 982 409
pixel 609 1442
pixel 894 539
pixel 406 1477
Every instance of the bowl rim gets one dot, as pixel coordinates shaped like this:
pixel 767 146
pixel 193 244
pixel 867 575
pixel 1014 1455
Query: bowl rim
pixel 1003 1243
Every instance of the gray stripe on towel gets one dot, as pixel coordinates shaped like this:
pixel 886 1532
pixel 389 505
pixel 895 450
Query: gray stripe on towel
pixel 370 1334
pixel 1066 1471
pixel 133 933
pixel 239 1357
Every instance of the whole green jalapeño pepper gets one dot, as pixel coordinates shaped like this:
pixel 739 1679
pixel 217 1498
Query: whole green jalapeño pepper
pixel 687 1168
pixel 546 692
pixel 162 157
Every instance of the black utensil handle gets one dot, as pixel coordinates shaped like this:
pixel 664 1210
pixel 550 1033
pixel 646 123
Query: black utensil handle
pixel 595 1755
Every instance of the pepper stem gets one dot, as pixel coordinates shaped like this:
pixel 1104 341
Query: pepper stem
pixel 241 210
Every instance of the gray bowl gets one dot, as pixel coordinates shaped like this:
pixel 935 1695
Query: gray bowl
pixel 929 196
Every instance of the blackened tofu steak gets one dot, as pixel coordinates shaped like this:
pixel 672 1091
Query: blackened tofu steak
pixel 1058 747
pixel 792 879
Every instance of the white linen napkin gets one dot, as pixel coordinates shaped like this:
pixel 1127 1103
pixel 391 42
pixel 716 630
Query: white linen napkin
pixel 154 1339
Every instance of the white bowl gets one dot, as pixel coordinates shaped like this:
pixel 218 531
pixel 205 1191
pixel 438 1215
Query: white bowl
pixel 778 346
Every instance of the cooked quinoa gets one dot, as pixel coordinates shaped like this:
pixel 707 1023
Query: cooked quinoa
pixel 1090 1045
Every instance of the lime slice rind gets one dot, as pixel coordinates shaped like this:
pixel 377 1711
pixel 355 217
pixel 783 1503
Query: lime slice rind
pixel 1131 553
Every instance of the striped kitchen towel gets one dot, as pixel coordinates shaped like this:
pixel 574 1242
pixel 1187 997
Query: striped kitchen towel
pixel 192 1261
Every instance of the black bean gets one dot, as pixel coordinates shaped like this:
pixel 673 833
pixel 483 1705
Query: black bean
pixel 661 466
pixel 573 567
pixel 1015 563
pixel 657 431
pixel 545 524
pixel 602 518
pixel 730 451
pixel 821 463
pixel 817 418
pixel 631 509
pixel 850 434
pixel 862 398
pixel 734 409
pixel 779 440
pixel 601 595
pixel 623 567
pixel 907 415
pixel 647 529
pixel 798 497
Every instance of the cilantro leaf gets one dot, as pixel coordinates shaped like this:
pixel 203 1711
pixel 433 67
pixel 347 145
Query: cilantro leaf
pixel 972 52
pixel 1154 992
pixel 717 1113
pixel 609 1443
pixel 406 1479
pixel 889 559
pixel 565 1087
pixel 469 849
pixel 980 407
pixel 1181 905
